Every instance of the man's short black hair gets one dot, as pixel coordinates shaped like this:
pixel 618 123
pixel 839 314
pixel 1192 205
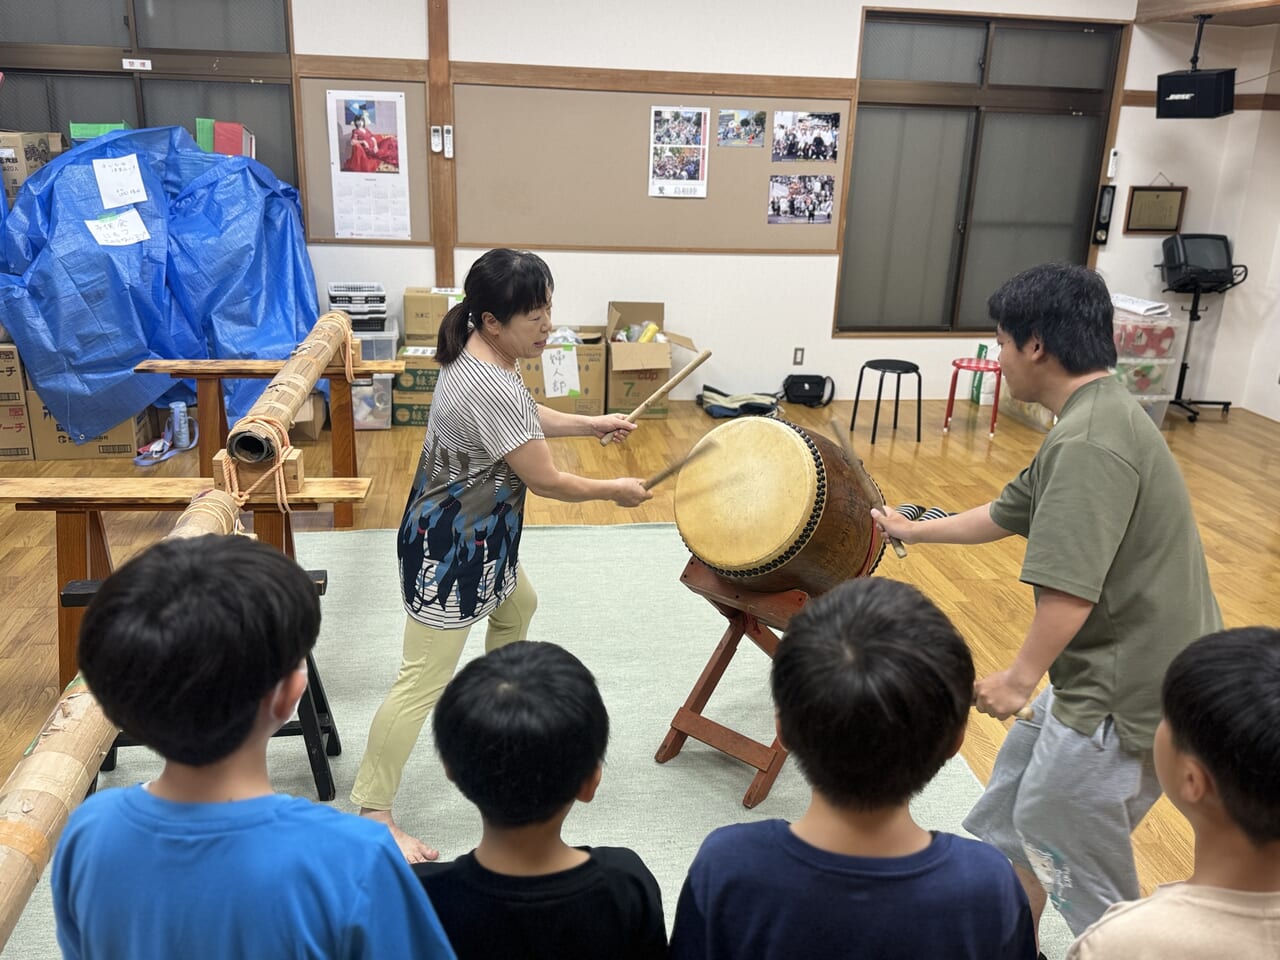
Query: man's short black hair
pixel 1221 700
pixel 520 730
pixel 1067 306
pixel 182 642
pixel 873 686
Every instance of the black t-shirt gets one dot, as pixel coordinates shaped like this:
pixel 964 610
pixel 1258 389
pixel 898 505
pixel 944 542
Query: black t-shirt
pixel 609 906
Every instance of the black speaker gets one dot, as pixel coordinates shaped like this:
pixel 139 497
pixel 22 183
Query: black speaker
pixel 1196 93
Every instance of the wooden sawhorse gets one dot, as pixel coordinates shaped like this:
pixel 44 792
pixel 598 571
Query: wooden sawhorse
pixel 750 614
pixel 82 553
pixel 211 410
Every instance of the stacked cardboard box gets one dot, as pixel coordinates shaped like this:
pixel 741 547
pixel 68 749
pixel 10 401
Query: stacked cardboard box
pixel 570 377
pixel 51 441
pixel 424 308
pixel 413 389
pixel 15 426
pixel 21 155
pixel 636 370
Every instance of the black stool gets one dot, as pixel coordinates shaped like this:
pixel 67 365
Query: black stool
pixel 897 368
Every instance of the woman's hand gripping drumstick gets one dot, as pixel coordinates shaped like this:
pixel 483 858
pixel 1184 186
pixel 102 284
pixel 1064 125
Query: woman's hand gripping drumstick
pixel 672 469
pixel 873 493
pixel 661 392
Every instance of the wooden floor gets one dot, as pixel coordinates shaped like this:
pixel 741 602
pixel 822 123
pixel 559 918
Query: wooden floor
pixel 1232 468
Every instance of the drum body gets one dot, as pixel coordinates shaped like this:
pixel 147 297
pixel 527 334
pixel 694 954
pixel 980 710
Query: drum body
pixel 775 507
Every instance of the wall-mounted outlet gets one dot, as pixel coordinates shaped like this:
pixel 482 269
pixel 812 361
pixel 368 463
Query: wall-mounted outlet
pixel 797 356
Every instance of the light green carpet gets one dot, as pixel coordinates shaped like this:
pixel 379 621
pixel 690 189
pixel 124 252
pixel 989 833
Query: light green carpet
pixel 612 595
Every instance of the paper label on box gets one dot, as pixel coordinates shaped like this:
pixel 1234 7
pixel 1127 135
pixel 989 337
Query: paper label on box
pixel 119 230
pixel 560 371
pixel 8 153
pixel 119 180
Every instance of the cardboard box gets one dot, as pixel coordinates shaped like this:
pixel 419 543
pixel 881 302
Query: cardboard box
pixel 21 154
pixel 421 371
pixel 15 432
pixel 13 386
pixel 121 442
pixel 636 370
pixel 424 308
pixel 309 420
pixel 550 378
pixel 410 413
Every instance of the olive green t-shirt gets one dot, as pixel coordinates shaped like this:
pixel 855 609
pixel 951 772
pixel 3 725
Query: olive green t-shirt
pixel 1108 519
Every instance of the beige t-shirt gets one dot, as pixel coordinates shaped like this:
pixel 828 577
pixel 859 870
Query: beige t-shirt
pixel 1181 921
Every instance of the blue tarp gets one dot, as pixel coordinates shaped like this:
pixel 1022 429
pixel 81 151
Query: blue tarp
pixel 224 274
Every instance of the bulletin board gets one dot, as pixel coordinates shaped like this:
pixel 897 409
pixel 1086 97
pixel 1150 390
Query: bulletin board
pixel 316 158
pixel 539 167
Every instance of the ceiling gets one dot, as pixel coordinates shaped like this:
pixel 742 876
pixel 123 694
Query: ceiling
pixel 1259 16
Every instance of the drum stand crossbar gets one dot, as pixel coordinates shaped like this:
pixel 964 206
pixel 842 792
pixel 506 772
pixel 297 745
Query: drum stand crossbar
pixel 755 616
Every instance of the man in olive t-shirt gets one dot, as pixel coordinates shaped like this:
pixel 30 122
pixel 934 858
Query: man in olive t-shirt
pixel 1121 587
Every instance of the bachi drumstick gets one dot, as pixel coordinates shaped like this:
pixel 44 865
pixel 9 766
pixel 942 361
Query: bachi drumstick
pixel 661 392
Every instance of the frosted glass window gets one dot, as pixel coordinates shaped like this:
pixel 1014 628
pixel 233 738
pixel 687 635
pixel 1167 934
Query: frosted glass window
pixel 245 26
pixel 49 101
pixel 262 107
pixel 87 22
pixel 939 53
pixel 1032 202
pixel 1051 58
pixel 901 238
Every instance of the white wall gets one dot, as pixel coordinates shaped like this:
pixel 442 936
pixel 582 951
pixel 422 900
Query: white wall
pixel 1228 165
pixel 393 267
pixel 378 28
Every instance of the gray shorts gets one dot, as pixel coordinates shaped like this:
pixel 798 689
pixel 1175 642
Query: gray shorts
pixel 1062 805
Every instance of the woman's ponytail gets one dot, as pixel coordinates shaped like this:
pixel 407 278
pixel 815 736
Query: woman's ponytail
pixel 454 330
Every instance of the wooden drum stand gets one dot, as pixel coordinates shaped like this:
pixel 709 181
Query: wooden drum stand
pixel 753 615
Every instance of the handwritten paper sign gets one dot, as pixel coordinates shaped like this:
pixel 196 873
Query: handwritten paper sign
pixel 119 181
pixel 118 229
pixel 560 371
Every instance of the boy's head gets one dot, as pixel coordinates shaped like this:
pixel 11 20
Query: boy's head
pixel 181 643
pixel 872 685
pixel 1221 729
pixel 521 731
pixel 1064 306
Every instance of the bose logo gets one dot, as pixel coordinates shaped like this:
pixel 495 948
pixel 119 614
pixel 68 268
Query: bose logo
pixel 1180 96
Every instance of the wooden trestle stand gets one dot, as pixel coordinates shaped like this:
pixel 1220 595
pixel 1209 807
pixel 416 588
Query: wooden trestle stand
pixel 752 615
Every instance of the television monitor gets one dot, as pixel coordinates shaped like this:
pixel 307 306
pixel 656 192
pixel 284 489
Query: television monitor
pixel 1196 260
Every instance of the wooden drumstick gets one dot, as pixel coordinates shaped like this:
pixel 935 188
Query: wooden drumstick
pixel 661 392
pixel 852 457
pixel 673 468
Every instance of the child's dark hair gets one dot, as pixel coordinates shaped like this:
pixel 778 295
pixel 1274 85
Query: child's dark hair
pixel 502 282
pixel 1067 306
pixel 182 642
pixel 520 730
pixel 873 686
pixel 1221 700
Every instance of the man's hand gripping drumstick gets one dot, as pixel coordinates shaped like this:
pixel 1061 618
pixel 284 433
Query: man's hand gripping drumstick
pixel 661 392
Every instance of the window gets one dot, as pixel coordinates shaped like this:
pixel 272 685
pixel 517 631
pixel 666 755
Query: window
pixel 225 59
pixel 976 152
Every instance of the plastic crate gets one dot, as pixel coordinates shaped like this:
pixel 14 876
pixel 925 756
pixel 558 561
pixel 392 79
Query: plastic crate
pixel 343 295
pixel 1148 377
pixel 1149 338
pixel 378 346
pixel 1155 407
pixel 371 402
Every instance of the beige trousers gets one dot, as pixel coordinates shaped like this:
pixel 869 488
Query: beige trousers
pixel 429 659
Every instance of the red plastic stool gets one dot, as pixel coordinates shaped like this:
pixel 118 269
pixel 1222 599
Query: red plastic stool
pixel 976 365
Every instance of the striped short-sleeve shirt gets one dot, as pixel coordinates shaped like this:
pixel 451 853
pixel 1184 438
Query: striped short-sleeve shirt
pixel 460 535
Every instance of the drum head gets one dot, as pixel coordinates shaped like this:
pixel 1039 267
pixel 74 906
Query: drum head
pixel 746 501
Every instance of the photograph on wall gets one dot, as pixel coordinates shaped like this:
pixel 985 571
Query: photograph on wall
pixel 678 151
pixel 806 200
pixel 368 165
pixel 803 135
pixel 742 128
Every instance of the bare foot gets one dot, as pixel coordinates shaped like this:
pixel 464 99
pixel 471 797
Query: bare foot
pixel 414 850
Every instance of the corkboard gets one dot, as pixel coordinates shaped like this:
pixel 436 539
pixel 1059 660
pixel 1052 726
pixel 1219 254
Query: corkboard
pixel 315 154
pixel 540 167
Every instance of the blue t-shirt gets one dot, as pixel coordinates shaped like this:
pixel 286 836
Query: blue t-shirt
pixel 273 877
pixel 757 890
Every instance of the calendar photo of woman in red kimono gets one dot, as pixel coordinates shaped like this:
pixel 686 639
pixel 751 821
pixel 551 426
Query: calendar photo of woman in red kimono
pixel 369 151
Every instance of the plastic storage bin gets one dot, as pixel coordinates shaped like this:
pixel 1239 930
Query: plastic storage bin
pixel 364 302
pixel 371 402
pixel 1155 407
pixel 1150 338
pixel 1147 377
pixel 378 346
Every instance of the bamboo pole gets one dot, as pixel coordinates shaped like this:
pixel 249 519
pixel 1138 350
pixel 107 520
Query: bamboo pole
pixel 55 772
pixel 251 440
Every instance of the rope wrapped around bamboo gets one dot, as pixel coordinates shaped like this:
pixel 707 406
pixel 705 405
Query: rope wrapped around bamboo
pixel 55 772
pixel 248 441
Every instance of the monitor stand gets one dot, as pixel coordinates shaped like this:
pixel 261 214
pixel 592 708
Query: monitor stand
pixel 1188 406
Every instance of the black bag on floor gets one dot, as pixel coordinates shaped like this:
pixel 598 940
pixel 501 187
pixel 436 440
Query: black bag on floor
pixel 809 389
